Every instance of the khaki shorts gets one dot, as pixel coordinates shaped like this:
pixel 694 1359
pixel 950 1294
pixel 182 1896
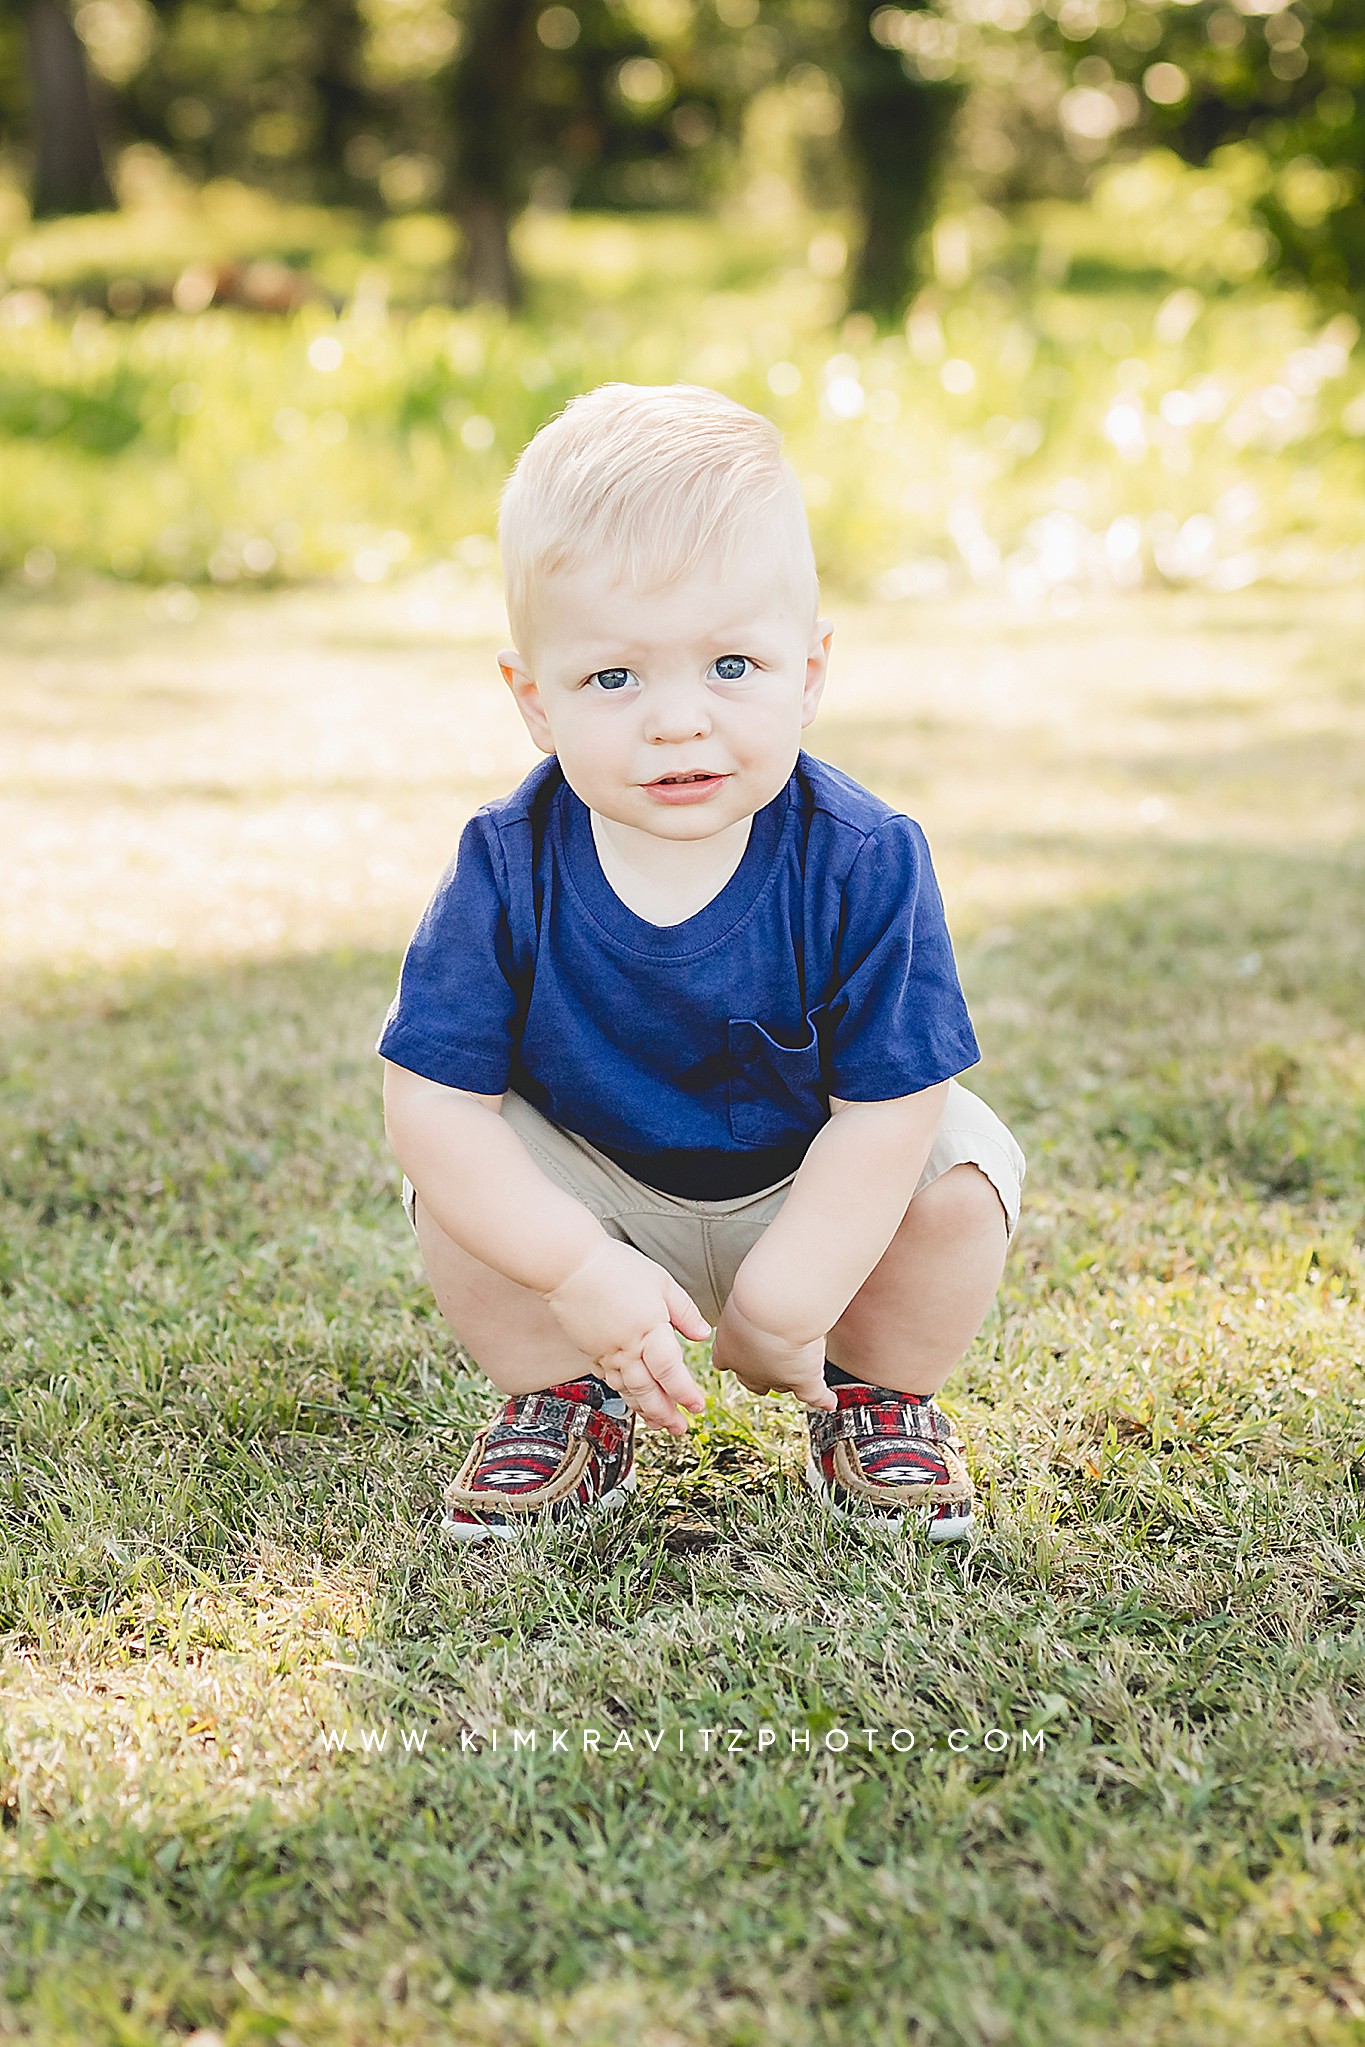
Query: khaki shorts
pixel 704 1243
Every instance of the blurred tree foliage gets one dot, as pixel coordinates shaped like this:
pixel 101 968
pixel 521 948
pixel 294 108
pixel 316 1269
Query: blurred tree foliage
pixel 394 104
pixel 1288 80
pixel 479 105
pixel 1272 89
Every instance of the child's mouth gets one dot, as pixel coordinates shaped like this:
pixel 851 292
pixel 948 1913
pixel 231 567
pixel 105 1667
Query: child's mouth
pixel 690 787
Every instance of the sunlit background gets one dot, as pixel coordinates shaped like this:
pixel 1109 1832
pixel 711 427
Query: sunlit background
pixel 1046 301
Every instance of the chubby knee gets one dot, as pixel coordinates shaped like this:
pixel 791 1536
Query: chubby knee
pixel 961 1202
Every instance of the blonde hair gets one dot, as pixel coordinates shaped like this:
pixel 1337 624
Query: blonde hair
pixel 655 478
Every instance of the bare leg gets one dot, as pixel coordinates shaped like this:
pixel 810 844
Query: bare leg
pixel 506 1329
pixel 918 1310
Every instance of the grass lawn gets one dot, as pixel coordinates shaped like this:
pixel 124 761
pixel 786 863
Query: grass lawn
pixel 1132 1812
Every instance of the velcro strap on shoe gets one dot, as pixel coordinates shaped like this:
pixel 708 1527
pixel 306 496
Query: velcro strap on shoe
pixel 914 1418
pixel 536 1411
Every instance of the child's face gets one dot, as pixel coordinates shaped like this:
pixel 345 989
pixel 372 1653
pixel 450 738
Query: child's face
pixel 676 712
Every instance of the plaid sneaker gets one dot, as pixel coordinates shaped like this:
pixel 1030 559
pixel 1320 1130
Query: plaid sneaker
pixel 546 1457
pixel 881 1455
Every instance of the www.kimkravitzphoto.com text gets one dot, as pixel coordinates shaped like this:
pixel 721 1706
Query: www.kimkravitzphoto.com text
pixel 383 1738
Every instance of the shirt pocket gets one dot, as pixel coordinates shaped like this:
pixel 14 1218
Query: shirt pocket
pixel 777 1091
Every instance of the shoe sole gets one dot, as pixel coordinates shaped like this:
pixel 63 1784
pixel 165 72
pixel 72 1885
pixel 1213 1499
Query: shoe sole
pixel 958 1528
pixel 512 1531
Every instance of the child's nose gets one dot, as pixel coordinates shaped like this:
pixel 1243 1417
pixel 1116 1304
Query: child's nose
pixel 676 714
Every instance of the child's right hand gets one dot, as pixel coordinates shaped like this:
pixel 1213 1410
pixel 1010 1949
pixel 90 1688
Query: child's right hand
pixel 767 1362
pixel 621 1310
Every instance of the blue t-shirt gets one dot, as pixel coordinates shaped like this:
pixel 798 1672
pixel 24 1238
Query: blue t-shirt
pixel 700 1056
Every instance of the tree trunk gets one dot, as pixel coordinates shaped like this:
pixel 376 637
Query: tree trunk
pixel 489 103
pixel 897 128
pixel 343 100
pixel 68 173
pixel 488 272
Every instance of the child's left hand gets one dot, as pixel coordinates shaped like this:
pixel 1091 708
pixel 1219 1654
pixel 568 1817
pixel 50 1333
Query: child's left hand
pixel 767 1362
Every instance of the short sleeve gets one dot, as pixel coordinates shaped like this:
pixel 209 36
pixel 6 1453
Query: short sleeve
pixel 897 1020
pixel 456 1016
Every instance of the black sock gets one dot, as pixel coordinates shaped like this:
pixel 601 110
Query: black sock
pixel 834 1377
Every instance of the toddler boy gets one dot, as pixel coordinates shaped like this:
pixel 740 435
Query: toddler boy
pixel 675 1041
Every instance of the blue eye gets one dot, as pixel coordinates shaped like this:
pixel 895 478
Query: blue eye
pixel 611 678
pixel 732 667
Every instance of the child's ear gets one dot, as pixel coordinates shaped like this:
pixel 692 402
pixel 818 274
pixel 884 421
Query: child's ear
pixel 526 696
pixel 817 667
